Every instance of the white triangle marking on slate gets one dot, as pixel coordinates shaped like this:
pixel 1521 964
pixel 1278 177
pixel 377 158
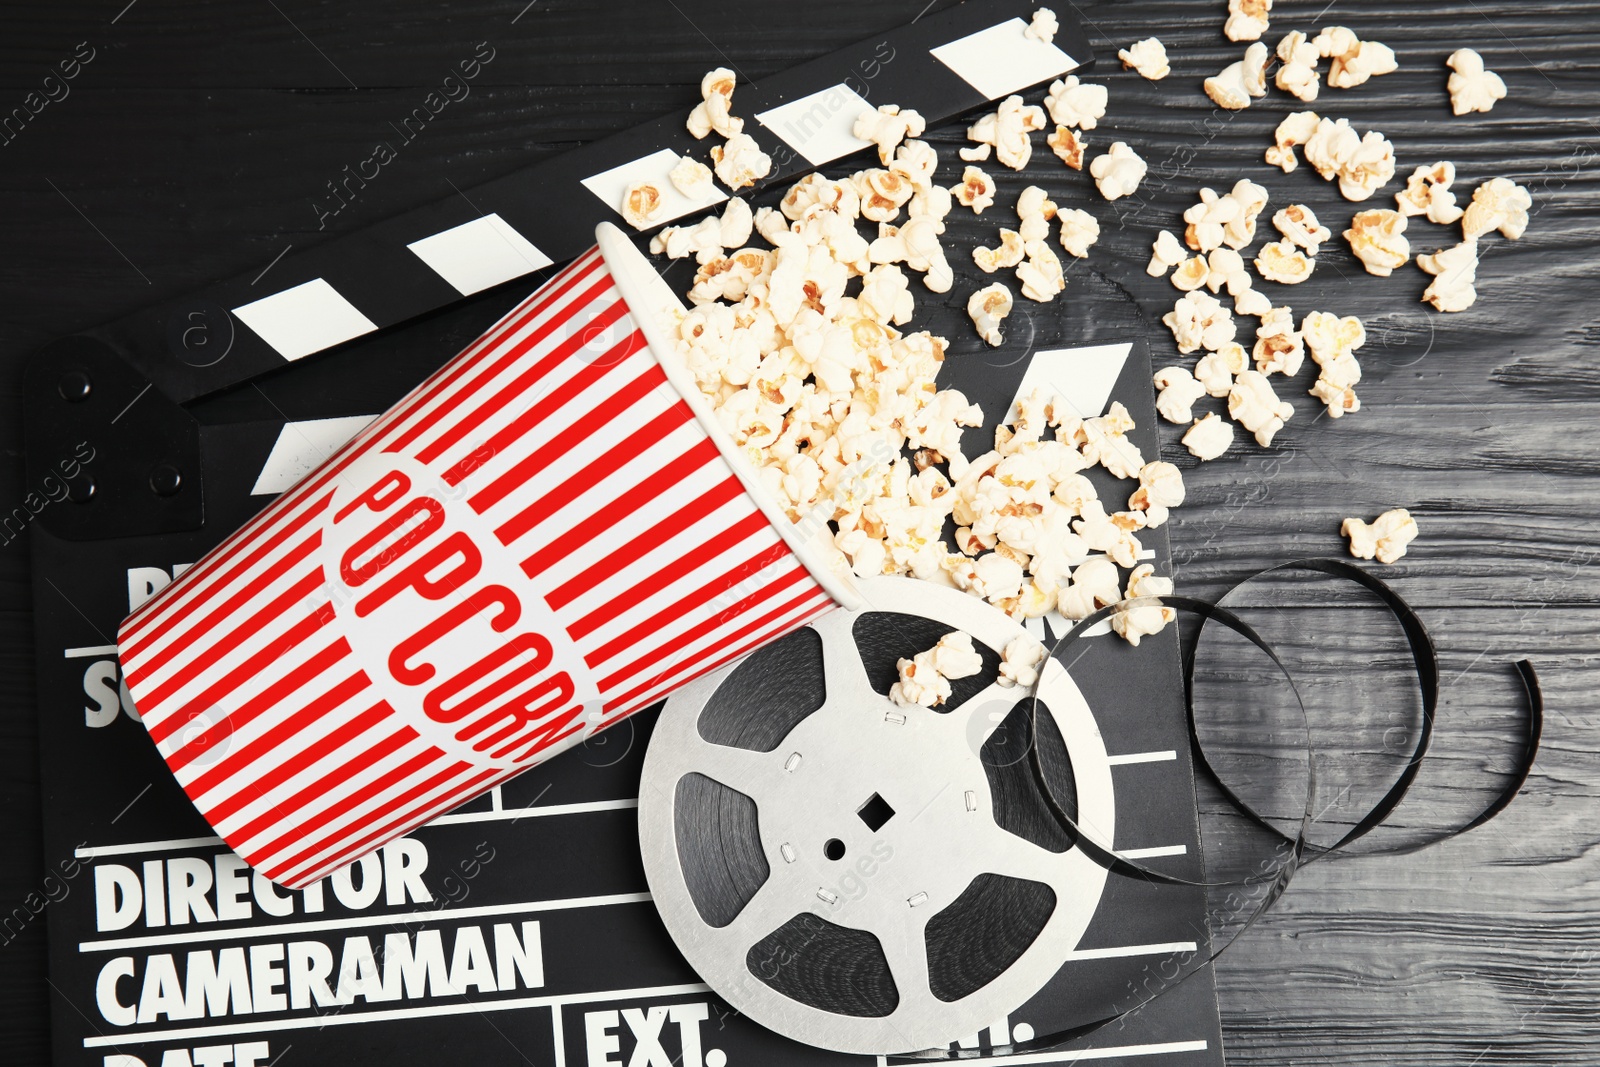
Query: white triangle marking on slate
pixel 301 447
pixel 1084 376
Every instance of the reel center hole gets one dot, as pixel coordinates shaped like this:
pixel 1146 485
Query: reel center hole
pixel 834 849
pixel 875 812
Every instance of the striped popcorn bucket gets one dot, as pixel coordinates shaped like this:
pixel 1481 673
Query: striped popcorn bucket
pixel 547 535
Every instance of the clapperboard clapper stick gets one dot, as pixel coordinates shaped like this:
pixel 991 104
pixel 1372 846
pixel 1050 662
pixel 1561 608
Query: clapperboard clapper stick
pixel 378 278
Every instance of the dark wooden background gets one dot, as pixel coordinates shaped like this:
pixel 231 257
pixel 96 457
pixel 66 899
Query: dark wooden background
pixel 194 144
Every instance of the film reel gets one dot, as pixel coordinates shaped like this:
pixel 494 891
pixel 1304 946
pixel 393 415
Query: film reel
pixel 865 877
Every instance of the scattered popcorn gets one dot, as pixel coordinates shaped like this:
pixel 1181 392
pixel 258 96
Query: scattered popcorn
pixel 1299 226
pixel 920 685
pixel 1148 57
pixel 1239 82
pixel 1009 254
pixel 1166 253
pixel 707 239
pixel 955 657
pixel 1331 338
pixel 1191 274
pixel 1177 391
pixel 1252 200
pixel 1215 370
pixel 699 240
pixel 1133 621
pixel 1228 219
pixel 1105 441
pixel 1094 586
pixel 1279 346
pixel 1041 273
pixel 1292 131
pixel 1281 261
pixel 887 127
pixel 1332 342
pixel 1008 129
pixel 1199 321
pixel 1019 663
pixel 1363 165
pixel 797 349
pixel 1378 240
pixel 1068 146
pixel 988 307
pixel 1297 73
pixel 1225 269
pixel 1118 172
pixel 1209 437
pixel 882 193
pixel 1455 273
pixel 1498 204
pixel 1339 399
pixel 1472 87
pixel 740 163
pixel 1077 104
pixel 1386 538
pixel 1427 192
pixel 1035 209
pixel 1353 60
pixel 1253 405
pixel 1251 302
pixel 1043 27
pixel 1160 490
pixel 1247 19
pixel 1079 230
pixel 641 204
pixel 692 178
pixel 975 191
pixel 712 113
pixel 976 153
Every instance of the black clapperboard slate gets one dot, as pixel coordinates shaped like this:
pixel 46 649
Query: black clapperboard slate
pixel 532 900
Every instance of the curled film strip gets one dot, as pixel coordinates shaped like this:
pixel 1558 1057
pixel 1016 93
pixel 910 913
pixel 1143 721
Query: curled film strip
pixel 798 743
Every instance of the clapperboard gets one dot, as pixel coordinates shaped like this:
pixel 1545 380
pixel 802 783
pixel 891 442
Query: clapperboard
pixel 517 928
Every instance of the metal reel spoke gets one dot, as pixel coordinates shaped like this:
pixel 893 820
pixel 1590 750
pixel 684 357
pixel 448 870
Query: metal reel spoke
pixel 844 675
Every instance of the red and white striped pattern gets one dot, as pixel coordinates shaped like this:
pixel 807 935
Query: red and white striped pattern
pixel 615 516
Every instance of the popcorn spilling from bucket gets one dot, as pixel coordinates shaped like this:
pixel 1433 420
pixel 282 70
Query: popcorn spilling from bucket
pixel 797 341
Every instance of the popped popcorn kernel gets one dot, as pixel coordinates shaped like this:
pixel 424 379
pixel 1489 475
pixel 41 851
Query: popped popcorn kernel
pixel 1209 437
pixel 1247 19
pixel 740 162
pixel 1455 272
pixel 1282 262
pixel 1498 204
pixel 642 204
pixel 1253 405
pixel 1043 26
pixel 988 308
pixel 1076 104
pixel 1472 86
pixel 1148 57
pixel 713 113
pixel 1386 538
pixel 1177 390
pixel 1118 172
pixel 1378 240
pixel 1352 60
pixel 975 191
pixel 1068 146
